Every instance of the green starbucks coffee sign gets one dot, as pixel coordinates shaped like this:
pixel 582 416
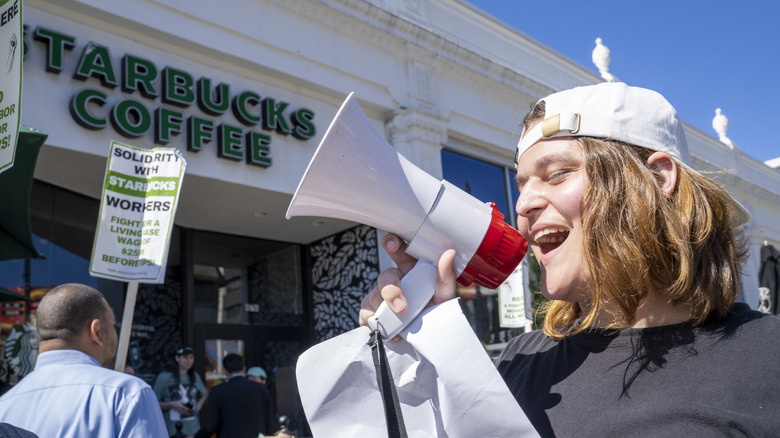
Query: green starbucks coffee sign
pixel 178 90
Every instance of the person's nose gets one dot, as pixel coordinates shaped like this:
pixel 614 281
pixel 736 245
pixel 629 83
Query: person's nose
pixel 531 199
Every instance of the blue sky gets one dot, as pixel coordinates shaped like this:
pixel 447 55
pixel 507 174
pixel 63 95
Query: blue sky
pixel 701 55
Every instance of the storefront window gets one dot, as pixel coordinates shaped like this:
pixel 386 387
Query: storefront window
pixel 216 350
pixel 486 182
pixel 240 280
pixel 489 183
pixel 63 225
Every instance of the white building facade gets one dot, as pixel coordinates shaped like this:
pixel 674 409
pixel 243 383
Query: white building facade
pixel 246 89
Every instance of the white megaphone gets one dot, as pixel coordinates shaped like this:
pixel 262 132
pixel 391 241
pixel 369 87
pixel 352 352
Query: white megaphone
pixel 357 176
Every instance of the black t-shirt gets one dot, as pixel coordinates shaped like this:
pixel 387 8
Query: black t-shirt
pixel 719 379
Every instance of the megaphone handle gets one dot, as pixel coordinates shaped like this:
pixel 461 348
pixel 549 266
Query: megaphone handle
pixel 418 286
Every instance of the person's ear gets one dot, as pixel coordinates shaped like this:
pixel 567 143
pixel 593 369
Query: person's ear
pixel 665 168
pixel 96 332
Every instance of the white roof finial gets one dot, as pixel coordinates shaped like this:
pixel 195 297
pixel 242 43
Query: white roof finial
pixel 720 124
pixel 601 60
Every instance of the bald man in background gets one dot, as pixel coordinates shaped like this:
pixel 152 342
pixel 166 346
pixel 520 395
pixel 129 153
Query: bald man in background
pixel 73 392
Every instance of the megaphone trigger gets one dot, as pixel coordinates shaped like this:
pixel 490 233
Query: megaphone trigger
pixel 418 286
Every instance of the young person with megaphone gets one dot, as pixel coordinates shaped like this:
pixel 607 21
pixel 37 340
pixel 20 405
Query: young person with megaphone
pixel 640 257
pixel 347 382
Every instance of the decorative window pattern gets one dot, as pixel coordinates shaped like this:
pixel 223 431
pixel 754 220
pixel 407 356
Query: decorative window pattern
pixel 344 269
pixel 275 289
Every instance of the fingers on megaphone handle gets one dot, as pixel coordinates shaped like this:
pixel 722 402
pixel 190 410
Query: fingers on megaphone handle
pixel 396 249
pixel 390 292
pixel 388 289
pixel 369 304
pixel 418 285
pixel 446 280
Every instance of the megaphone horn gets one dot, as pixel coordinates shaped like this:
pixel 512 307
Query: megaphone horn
pixel 357 176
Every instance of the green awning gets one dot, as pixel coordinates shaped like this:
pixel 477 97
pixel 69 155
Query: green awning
pixel 15 186
pixel 9 295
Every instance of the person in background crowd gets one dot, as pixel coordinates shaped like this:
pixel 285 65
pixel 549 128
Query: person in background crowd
pixel 257 374
pixel 238 408
pixel 73 392
pixel 640 259
pixel 181 393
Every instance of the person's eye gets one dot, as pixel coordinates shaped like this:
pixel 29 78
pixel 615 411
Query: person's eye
pixel 558 175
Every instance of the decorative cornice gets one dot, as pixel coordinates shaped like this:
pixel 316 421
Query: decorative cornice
pixel 390 33
pixel 413 125
pixel 729 179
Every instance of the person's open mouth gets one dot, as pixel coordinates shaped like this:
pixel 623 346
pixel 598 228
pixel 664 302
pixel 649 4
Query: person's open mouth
pixel 549 239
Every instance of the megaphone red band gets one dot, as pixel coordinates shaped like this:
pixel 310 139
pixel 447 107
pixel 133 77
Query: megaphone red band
pixel 498 255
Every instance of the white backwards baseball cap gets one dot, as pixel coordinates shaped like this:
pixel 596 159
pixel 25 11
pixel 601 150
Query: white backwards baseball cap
pixel 616 111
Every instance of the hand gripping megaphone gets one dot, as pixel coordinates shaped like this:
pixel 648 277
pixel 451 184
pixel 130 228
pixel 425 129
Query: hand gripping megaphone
pixel 357 176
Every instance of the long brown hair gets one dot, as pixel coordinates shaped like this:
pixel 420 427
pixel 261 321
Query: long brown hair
pixel 636 239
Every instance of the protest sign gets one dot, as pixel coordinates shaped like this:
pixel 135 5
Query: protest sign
pixel 11 83
pixel 137 208
pixel 513 300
